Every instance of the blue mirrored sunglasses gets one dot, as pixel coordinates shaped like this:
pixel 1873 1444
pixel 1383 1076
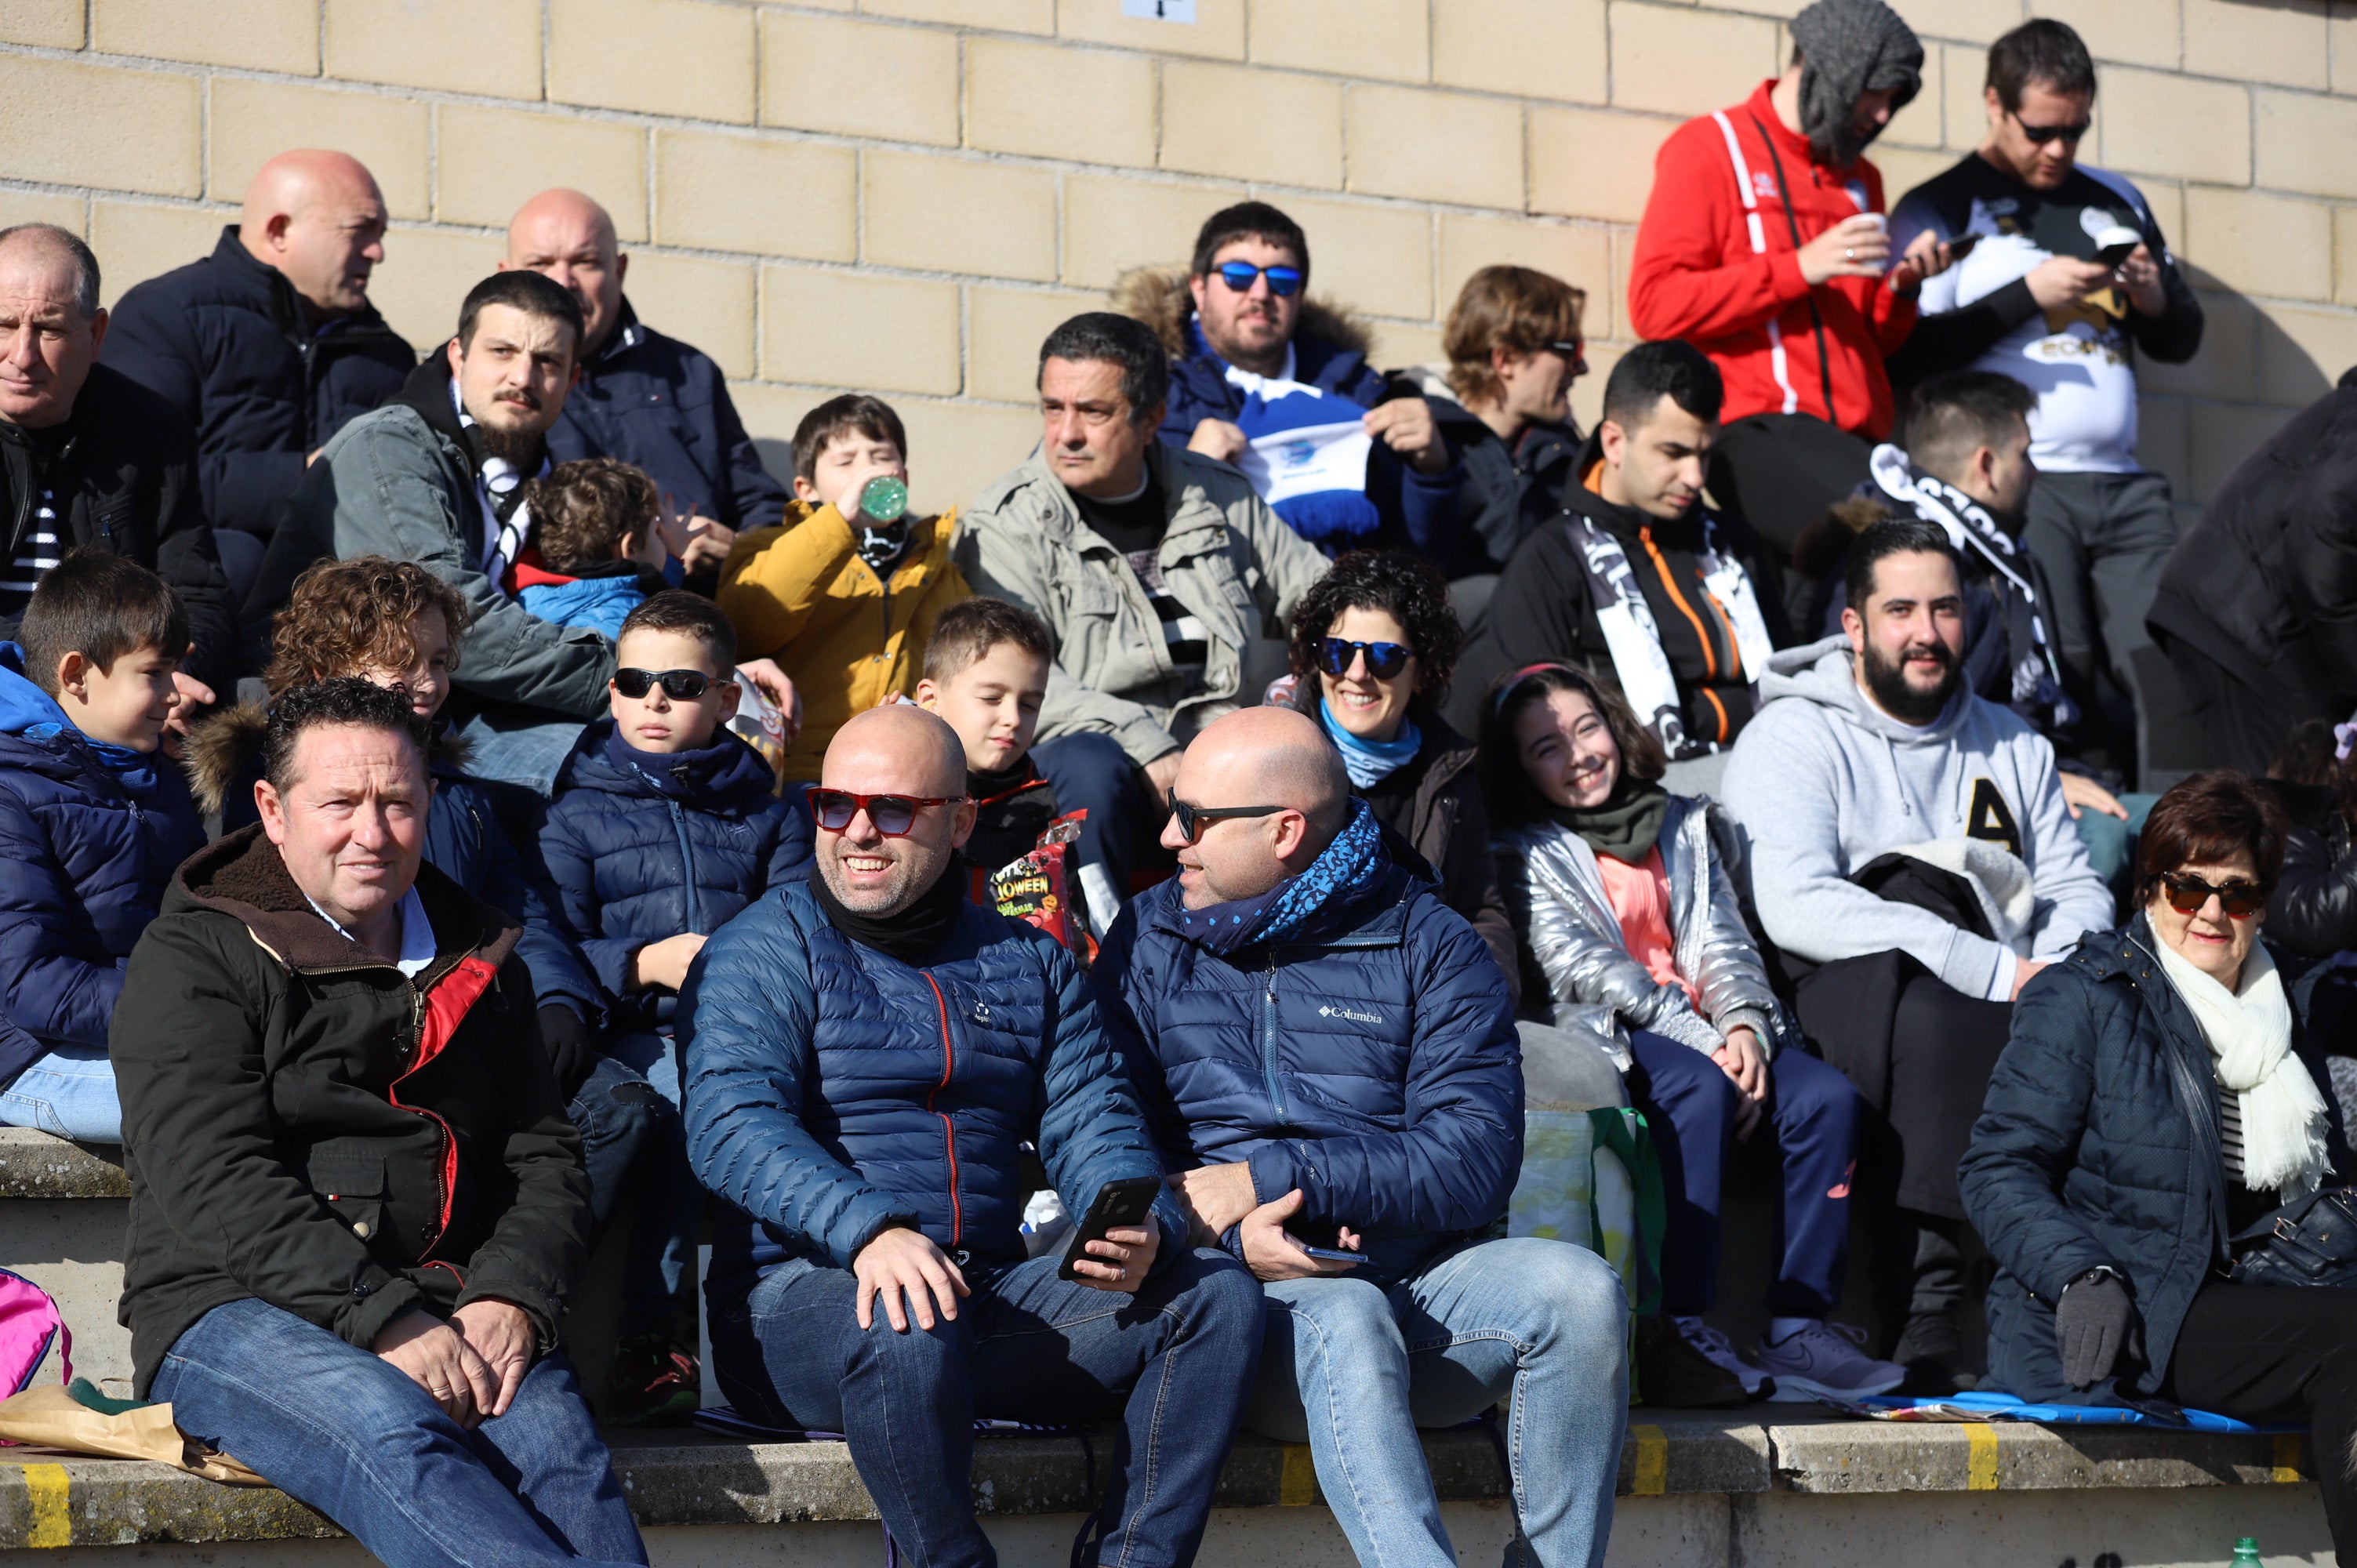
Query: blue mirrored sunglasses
pixel 1281 281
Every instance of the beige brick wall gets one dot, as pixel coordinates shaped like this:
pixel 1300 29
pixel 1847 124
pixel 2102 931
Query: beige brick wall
pixel 904 195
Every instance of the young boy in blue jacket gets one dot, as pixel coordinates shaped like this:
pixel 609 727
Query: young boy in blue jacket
pixel 596 552
pixel 663 826
pixel 93 824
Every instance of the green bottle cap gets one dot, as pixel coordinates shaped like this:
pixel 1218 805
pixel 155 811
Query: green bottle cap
pixel 884 498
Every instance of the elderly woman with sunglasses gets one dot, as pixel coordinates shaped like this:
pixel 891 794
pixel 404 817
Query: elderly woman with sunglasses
pixel 1375 642
pixel 2158 1096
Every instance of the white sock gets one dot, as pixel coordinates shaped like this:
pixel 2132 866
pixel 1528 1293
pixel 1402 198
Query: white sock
pixel 1782 1328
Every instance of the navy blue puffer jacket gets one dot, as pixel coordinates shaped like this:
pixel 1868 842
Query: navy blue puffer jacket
pixel 2098 1144
pixel 834 1090
pixel 1369 1058
pixel 83 865
pixel 641 846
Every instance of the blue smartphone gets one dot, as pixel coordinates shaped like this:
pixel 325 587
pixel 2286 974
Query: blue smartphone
pixel 1330 1255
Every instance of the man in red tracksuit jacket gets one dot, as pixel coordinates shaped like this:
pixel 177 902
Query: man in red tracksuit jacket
pixel 1757 248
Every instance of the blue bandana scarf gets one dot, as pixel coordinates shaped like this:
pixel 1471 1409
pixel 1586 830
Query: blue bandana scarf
pixel 1350 863
pixel 27 710
pixel 1370 762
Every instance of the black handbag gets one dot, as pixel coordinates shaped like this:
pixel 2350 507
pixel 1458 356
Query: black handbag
pixel 2310 1240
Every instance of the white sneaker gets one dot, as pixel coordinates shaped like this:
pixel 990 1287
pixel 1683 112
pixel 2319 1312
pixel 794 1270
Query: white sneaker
pixel 1717 1349
pixel 1827 1360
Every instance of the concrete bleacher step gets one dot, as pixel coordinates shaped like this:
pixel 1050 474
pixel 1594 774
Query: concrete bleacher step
pixel 1766 1487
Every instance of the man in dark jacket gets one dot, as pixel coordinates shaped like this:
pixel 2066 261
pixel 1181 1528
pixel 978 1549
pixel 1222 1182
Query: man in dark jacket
pixel 2257 608
pixel 647 399
pixel 871 1049
pixel 1640 581
pixel 1328 1053
pixel 269 346
pixel 91 456
pixel 351 1175
pixel 1262 378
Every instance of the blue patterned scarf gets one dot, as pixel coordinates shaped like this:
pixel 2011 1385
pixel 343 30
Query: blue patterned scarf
pixel 1349 864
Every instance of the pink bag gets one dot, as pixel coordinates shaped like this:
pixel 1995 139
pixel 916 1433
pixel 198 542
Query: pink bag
pixel 29 1326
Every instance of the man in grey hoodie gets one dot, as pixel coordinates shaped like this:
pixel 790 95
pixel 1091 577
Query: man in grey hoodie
pixel 1909 848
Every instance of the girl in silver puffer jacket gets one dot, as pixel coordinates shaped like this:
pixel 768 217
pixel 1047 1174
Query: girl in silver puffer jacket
pixel 1626 895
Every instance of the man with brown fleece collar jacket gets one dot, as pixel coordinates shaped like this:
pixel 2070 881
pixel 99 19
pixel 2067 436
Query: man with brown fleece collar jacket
pixel 356 1203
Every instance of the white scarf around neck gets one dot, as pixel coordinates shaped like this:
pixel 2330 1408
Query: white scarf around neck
pixel 2249 1035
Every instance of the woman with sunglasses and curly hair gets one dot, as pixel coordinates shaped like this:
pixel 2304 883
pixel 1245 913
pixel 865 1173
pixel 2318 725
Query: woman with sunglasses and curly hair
pixel 1375 642
pixel 1628 895
pixel 2159 1100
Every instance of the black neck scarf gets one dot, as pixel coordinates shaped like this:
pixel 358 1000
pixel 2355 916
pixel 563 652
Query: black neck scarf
pixel 917 932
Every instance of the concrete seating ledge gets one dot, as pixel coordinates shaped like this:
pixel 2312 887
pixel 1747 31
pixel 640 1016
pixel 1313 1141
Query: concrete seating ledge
pixel 33 1164
pixel 691 1479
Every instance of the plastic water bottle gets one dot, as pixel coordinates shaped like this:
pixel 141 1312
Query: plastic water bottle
pixel 2246 1553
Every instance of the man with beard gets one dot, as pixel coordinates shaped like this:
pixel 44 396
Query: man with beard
pixel 436 477
pixel 1764 245
pixel 1913 858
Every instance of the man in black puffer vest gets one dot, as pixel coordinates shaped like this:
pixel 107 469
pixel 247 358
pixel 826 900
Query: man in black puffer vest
pixel 269 346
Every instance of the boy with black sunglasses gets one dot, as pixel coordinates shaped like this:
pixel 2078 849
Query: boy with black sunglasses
pixel 663 826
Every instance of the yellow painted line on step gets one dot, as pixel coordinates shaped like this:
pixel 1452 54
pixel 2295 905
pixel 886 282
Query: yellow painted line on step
pixel 1652 1477
pixel 1297 1487
pixel 1980 1464
pixel 45 1486
pixel 2286 1466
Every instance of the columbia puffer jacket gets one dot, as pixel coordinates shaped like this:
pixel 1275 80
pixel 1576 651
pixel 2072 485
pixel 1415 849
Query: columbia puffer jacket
pixel 83 865
pixel 833 1091
pixel 2099 1146
pixel 305 1124
pixel 641 846
pixel 225 338
pixel 1370 1059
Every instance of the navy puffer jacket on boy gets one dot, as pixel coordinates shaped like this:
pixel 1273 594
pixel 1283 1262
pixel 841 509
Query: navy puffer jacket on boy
pixel 833 1091
pixel 85 855
pixel 1364 1053
pixel 641 846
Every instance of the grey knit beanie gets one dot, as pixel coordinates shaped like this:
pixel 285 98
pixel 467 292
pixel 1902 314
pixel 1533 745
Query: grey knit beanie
pixel 1847 47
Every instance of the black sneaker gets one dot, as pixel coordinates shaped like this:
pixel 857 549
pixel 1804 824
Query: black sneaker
pixel 1672 1373
pixel 1931 1348
pixel 652 1382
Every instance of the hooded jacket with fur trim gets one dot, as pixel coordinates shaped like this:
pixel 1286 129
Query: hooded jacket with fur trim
pixel 1330 351
pixel 305 1124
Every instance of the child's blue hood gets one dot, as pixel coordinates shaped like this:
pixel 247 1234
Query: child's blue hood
pixel 22 705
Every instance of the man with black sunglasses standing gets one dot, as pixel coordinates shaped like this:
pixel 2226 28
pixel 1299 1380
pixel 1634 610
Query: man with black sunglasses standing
pixel 2069 278
pixel 1265 378
pixel 868 1051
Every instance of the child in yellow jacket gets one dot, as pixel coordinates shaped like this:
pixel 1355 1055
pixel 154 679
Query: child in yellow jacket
pixel 843 601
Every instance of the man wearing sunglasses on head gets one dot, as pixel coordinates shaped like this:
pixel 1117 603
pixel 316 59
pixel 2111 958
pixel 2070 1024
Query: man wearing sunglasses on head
pixel 2068 279
pixel 869 1052
pixel 1278 384
pixel 1330 1056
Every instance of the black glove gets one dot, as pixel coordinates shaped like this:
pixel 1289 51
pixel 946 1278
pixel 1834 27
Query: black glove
pixel 572 1047
pixel 2091 1323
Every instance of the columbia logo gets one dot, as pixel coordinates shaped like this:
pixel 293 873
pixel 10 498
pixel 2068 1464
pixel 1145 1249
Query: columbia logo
pixel 1353 1018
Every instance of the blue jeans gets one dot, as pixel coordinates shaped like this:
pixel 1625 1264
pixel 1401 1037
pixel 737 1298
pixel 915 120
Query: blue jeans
pixel 1812 1123
pixel 68 1092
pixel 513 745
pixel 1175 1359
pixel 2112 842
pixel 632 1140
pixel 1543 1322
pixel 346 1432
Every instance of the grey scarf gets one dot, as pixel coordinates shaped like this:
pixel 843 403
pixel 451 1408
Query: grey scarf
pixel 1847 47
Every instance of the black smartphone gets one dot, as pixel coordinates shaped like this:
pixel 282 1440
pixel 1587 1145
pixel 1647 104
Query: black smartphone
pixel 2113 255
pixel 1961 246
pixel 1119 1204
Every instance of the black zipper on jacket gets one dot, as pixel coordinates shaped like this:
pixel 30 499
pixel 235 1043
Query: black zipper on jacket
pixel 949 1128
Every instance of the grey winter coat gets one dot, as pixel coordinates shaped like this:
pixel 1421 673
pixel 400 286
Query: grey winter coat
pixel 1554 887
pixel 401 482
pixel 1229 560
